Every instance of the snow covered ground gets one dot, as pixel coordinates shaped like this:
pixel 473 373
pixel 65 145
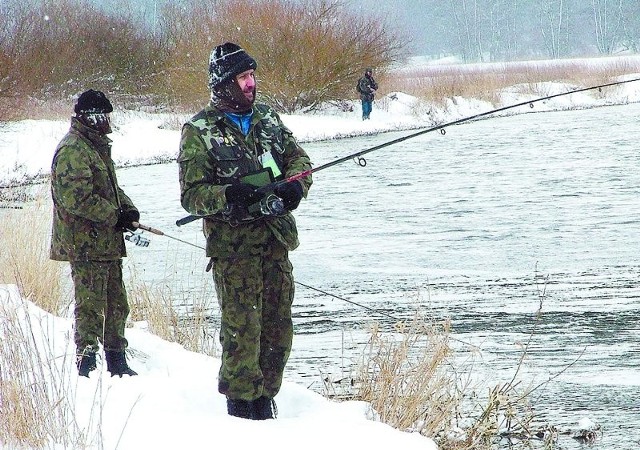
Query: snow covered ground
pixel 173 402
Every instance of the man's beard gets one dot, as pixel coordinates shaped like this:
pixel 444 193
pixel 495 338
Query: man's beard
pixel 230 98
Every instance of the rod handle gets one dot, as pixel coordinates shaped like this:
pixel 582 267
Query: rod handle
pixel 146 228
pixel 186 220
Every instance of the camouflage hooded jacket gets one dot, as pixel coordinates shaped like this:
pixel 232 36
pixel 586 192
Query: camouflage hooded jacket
pixel 214 154
pixel 86 198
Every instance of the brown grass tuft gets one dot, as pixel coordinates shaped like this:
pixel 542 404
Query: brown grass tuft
pixel 24 240
pixel 190 327
pixel 404 378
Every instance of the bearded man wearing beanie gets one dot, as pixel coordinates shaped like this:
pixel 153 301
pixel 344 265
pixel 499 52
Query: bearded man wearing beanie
pixel 90 214
pixel 228 150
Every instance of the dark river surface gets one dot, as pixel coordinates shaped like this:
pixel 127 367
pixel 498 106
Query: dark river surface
pixel 517 229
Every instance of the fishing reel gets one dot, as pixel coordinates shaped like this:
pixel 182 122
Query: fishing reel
pixel 138 239
pixel 269 205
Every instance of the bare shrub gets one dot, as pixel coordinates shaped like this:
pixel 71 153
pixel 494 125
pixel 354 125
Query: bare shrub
pixel 183 77
pixel 404 377
pixel 295 72
pixel 56 49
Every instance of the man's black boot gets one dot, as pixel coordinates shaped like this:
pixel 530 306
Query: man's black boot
pixel 264 408
pixel 85 362
pixel 117 363
pixel 239 408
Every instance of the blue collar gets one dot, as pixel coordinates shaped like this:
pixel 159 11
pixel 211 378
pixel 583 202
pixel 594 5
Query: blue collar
pixel 243 121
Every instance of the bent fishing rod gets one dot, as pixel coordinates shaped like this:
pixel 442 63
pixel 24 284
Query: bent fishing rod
pixel 143 242
pixel 362 162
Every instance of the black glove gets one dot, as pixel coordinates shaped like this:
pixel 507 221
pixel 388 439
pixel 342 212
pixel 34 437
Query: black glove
pixel 290 193
pixel 241 194
pixel 126 219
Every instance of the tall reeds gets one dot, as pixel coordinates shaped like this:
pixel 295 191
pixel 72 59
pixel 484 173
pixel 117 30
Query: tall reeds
pixel 24 242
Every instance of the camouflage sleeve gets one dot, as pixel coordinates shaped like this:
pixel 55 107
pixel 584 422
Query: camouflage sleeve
pixel 72 184
pixel 125 202
pixel 295 159
pixel 198 193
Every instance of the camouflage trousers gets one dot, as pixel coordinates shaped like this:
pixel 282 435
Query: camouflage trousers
pixel 101 307
pixel 255 295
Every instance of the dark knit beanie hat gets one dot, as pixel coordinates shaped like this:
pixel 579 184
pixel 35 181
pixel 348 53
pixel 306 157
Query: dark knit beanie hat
pixel 93 102
pixel 227 61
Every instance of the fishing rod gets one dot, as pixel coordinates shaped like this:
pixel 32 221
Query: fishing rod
pixel 161 233
pixel 362 162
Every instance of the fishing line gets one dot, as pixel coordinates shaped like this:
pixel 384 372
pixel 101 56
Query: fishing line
pixel 160 233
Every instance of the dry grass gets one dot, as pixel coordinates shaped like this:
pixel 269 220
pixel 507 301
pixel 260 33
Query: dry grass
pixel 414 382
pixel 155 305
pixel 403 376
pixel 24 240
pixel 485 81
pixel 36 404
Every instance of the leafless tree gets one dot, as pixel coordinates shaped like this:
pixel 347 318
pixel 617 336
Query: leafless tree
pixel 608 24
pixel 554 25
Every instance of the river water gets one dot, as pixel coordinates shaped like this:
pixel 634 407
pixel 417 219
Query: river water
pixel 515 228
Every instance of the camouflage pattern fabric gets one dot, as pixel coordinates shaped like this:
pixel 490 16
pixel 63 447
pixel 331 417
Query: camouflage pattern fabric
pixel 86 204
pixel 251 268
pixel 214 153
pixel 86 198
pixel 100 298
pixel 255 296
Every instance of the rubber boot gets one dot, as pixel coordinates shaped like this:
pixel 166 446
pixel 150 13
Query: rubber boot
pixel 239 408
pixel 85 362
pixel 117 363
pixel 264 408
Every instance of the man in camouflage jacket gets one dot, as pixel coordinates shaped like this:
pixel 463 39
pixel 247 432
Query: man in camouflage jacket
pixel 230 138
pixel 90 213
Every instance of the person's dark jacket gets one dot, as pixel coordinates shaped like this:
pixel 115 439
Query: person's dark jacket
pixel 367 87
pixel 86 198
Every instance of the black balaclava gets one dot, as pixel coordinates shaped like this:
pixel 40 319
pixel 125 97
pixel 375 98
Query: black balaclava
pixel 92 109
pixel 225 63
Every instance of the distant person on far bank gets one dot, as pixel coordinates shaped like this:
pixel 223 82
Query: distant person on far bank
pixel 90 214
pixel 367 87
